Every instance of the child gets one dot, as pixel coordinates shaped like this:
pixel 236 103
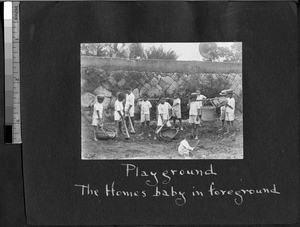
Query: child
pixel 145 106
pixel 184 147
pixel 118 114
pixel 229 111
pixel 163 114
pixel 194 115
pixel 222 109
pixel 129 108
pixel 97 114
pixel 200 97
pixel 176 110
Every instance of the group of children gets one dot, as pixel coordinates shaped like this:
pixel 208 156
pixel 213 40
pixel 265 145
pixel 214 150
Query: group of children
pixel 124 113
pixel 227 115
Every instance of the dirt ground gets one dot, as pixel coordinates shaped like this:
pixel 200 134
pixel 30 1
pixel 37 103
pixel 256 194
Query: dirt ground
pixel 212 144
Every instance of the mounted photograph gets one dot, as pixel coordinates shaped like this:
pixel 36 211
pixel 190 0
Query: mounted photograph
pixel 161 101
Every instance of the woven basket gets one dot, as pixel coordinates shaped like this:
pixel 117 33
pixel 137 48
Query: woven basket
pixel 218 102
pixel 208 113
pixel 169 133
pixel 110 134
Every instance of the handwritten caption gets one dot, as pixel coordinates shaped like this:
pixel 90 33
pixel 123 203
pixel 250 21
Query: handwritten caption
pixel 160 184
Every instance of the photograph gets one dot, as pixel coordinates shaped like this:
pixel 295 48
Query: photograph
pixel 161 100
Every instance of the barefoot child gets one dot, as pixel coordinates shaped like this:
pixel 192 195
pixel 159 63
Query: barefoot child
pixel 97 115
pixel 118 114
pixel 222 109
pixel 176 110
pixel 129 108
pixel 194 115
pixel 184 148
pixel 163 110
pixel 145 106
pixel 229 111
pixel 200 97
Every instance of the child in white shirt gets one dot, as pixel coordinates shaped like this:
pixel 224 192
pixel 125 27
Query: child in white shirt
pixel 194 115
pixel 200 97
pixel 184 147
pixel 163 110
pixel 222 109
pixel 163 113
pixel 145 106
pixel 119 113
pixel 129 108
pixel 176 110
pixel 229 111
pixel 97 115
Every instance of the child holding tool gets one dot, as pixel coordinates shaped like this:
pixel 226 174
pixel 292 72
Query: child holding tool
pixel 163 110
pixel 97 114
pixel 184 148
pixel 118 114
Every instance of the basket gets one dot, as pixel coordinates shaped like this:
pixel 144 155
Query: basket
pixel 218 102
pixel 208 113
pixel 169 134
pixel 101 135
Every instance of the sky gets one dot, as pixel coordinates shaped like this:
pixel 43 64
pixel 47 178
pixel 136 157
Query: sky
pixel 186 51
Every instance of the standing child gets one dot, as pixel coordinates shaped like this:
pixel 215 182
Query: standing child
pixel 176 110
pixel 145 106
pixel 229 111
pixel 194 115
pixel 97 115
pixel 129 108
pixel 163 110
pixel 184 147
pixel 118 114
pixel 222 109
pixel 200 97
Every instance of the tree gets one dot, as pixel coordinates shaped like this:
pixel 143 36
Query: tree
pixel 159 53
pixel 96 49
pixel 228 54
pixel 137 51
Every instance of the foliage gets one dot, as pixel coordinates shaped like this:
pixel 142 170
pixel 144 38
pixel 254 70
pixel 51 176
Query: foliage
pixel 228 54
pixel 137 51
pixel 159 53
pixel 96 49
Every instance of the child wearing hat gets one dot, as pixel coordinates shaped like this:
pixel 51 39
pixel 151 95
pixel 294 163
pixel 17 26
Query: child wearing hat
pixel 229 111
pixel 97 114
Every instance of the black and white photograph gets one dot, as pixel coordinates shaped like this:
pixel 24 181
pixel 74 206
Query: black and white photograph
pixel 161 100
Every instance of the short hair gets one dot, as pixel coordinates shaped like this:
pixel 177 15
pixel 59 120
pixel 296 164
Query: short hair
pixel 100 98
pixel 121 96
pixel 128 88
pixel 189 136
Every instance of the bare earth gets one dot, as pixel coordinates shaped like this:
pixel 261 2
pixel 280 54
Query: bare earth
pixel 212 144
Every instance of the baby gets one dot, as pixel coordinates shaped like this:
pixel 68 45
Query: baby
pixel 184 148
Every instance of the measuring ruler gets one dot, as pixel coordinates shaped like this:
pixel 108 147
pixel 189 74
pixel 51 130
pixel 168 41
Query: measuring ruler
pixel 16 128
